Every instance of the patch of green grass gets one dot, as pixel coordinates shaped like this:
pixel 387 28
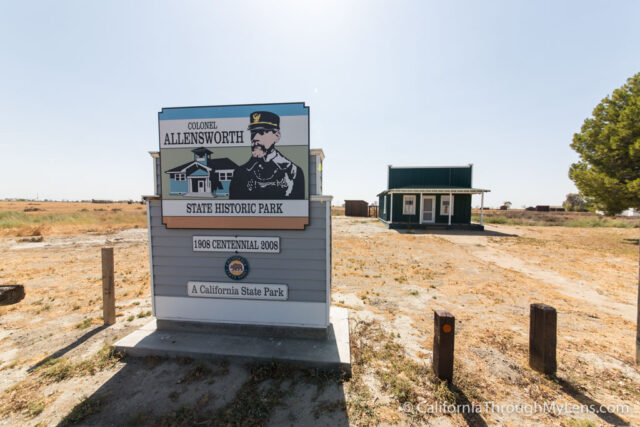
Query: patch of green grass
pixel 60 369
pixel 414 293
pixel 140 419
pixel 197 373
pixel 492 219
pixel 579 423
pixel 554 219
pixel 403 378
pixel 84 324
pixel 599 222
pixel 89 406
pixel 130 318
pixel 144 314
pixel 328 406
pixel 265 389
pixel 253 404
pixel 443 393
pixel 35 408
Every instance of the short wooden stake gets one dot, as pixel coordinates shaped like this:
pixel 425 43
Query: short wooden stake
pixel 443 339
pixel 108 289
pixel 542 338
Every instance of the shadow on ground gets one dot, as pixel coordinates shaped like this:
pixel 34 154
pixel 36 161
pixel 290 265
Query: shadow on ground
pixel 486 233
pixel 68 348
pixel 159 391
pixel 472 418
pixel 594 406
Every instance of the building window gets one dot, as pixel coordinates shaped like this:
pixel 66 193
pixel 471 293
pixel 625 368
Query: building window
pixel 225 176
pixel 409 205
pixel 446 203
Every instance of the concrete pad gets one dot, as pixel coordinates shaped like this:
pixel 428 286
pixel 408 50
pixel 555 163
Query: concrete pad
pixel 334 352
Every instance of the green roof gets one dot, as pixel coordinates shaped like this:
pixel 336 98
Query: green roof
pixel 436 189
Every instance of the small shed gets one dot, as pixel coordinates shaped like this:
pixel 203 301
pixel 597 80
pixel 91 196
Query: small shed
pixel 429 197
pixel 356 208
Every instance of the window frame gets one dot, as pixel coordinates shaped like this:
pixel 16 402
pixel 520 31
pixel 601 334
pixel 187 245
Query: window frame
pixel 405 198
pixel 451 204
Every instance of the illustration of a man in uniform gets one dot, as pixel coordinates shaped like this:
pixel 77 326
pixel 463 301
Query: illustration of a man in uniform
pixel 267 174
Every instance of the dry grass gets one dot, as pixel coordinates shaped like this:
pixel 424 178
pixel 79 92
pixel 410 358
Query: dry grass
pixel 48 218
pixel 391 282
pixel 60 369
pixel 26 397
pixel 565 219
pixel 488 282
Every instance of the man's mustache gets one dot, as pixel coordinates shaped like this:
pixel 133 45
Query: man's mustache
pixel 255 145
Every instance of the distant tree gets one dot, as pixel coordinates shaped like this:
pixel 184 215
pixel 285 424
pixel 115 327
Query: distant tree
pixel 608 173
pixel 575 202
pixel 507 204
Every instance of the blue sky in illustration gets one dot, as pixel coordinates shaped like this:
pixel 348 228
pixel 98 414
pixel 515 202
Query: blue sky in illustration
pixel 500 84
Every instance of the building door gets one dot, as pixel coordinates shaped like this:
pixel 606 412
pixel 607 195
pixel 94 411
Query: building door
pixel 201 186
pixel 428 209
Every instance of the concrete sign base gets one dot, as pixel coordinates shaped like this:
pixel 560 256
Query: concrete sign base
pixel 333 352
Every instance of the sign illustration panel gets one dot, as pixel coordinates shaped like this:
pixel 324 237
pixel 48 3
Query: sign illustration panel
pixel 238 166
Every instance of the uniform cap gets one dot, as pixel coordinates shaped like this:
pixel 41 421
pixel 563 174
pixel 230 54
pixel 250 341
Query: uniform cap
pixel 264 120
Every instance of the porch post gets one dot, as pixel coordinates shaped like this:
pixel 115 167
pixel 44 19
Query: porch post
pixel 482 208
pixel 391 207
pixel 450 205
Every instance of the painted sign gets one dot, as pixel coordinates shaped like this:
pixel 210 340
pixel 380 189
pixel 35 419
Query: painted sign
pixel 270 245
pixel 238 166
pixel 238 290
pixel 236 267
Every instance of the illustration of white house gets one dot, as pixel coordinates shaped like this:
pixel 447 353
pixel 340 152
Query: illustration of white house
pixel 203 177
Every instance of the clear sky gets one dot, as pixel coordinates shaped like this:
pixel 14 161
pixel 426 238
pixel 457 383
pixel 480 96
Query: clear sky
pixel 500 84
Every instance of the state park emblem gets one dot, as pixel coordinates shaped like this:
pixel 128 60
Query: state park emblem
pixel 236 267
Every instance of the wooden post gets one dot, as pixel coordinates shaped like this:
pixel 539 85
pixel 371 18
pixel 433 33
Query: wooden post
pixel 108 289
pixel 638 311
pixel 443 339
pixel 542 338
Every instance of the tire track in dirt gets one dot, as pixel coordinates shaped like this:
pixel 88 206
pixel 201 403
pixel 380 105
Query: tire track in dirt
pixel 481 248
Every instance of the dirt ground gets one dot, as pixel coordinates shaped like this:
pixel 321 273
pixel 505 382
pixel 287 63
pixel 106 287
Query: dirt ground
pixel 53 366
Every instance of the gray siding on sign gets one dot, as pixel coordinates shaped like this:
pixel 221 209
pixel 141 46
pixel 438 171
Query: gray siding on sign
pixel 301 263
pixel 158 177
